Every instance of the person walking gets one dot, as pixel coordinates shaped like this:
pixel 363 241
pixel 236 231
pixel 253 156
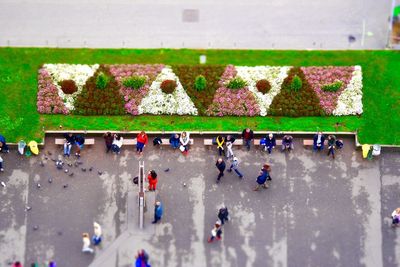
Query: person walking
pixel 270 143
pixel 174 141
pixel 152 178
pixel 86 243
pixel 229 144
pixel 52 264
pixel 3 145
pixel 261 180
pixel 108 139
pixel 221 168
pixel 318 142
pixel 331 145
pixel 267 170
pixel 142 259
pixel 80 142
pixel 97 234
pixel 184 140
pixel 247 136
pixel 17 264
pixel 220 145
pixel 69 142
pixel 158 212
pixel 235 167
pixel 396 217
pixel 216 232
pixel 117 143
pixel 223 215
pixel 142 140
pixel 1 164
pixel 287 143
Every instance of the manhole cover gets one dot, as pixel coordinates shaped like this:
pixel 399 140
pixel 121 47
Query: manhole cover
pixel 190 15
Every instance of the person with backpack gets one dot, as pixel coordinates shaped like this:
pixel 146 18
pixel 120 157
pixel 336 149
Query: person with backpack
pixel 142 259
pixel 97 234
pixel 235 167
pixel 223 215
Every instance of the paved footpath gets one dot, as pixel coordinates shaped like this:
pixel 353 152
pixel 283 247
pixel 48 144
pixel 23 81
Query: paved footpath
pixel 317 212
pixel 257 24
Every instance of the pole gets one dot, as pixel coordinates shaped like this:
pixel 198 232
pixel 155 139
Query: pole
pixel 141 194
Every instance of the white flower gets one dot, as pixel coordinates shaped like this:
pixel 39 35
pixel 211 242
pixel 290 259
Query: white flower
pixel 76 72
pixel 274 75
pixel 350 100
pixel 157 102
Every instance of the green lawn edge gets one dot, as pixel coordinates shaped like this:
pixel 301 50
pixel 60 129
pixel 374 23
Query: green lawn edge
pixel 378 124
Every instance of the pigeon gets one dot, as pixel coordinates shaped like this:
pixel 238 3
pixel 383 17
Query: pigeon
pixel 65 186
pixel 184 184
pixel 83 169
pixel 76 164
pixel 50 180
pixel 54 160
pixel 166 170
pixel 90 169
pixel 70 164
pixel 41 163
pixel 35 227
pixel 66 170
pixel 59 233
pixel 46 158
pixel 79 162
pixel 49 153
pixel 71 174
pixel 38 185
pixel 3 184
pixel 27 208
pixel 100 173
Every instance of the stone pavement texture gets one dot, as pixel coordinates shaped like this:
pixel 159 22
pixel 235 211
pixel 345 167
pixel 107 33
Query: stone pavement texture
pixel 258 24
pixel 317 211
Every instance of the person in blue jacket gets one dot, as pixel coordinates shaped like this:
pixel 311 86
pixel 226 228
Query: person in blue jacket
pixel 174 141
pixel 261 180
pixel 3 145
pixel 80 142
pixel 319 140
pixel 158 211
pixel 270 143
pixel 142 259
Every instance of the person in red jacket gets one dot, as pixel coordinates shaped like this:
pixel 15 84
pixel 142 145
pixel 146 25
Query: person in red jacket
pixel 141 142
pixel 152 177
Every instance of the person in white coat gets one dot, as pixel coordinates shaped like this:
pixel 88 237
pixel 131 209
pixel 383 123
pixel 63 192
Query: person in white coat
pixel 117 144
pixel 86 243
pixel 184 139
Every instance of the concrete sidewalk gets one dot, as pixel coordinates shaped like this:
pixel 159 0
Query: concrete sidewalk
pixel 254 24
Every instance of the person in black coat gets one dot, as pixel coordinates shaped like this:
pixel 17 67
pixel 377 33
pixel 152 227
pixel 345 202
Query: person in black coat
pixel 221 168
pixel 319 140
pixel 69 142
pixel 270 143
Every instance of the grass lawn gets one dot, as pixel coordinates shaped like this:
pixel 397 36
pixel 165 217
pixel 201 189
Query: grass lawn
pixel 380 122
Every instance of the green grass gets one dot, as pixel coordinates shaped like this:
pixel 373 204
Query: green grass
pixel 18 86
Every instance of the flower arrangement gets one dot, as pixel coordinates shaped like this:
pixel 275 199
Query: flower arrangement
pixel 48 99
pixel 158 102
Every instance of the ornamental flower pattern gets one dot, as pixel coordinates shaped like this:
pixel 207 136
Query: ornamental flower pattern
pixel 319 76
pixel 48 100
pixel 274 75
pixel 157 102
pixel 350 101
pixel 78 73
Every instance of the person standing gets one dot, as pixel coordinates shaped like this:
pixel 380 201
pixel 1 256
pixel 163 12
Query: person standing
pixel 318 142
pixel 86 243
pixel 184 141
pixel 152 178
pixel 247 136
pixel 216 232
pixel 117 143
pixel 223 215
pixel 158 212
pixel 142 259
pixel 396 217
pixel 235 167
pixel 221 168
pixel 270 143
pixel 174 141
pixel 220 144
pixel 142 140
pixel 17 264
pixel 80 142
pixel 1 164
pixel 3 145
pixel 287 143
pixel 261 180
pixel 97 234
pixel 108 139
pixel 331 145
pixel 69 142
pixel 229 144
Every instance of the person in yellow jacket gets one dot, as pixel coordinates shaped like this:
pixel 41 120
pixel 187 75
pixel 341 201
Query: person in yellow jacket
pixel 220 145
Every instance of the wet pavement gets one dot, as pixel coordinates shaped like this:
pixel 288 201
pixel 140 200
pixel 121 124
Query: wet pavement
pixel 317 211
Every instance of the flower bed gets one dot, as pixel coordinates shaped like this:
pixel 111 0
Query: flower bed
pixel 199 90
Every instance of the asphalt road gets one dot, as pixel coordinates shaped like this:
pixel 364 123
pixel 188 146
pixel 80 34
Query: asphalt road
pixel 317 212
pixel 257 24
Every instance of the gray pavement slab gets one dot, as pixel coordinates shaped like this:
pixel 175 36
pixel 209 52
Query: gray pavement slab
pixel 317 211
pixel 254 24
